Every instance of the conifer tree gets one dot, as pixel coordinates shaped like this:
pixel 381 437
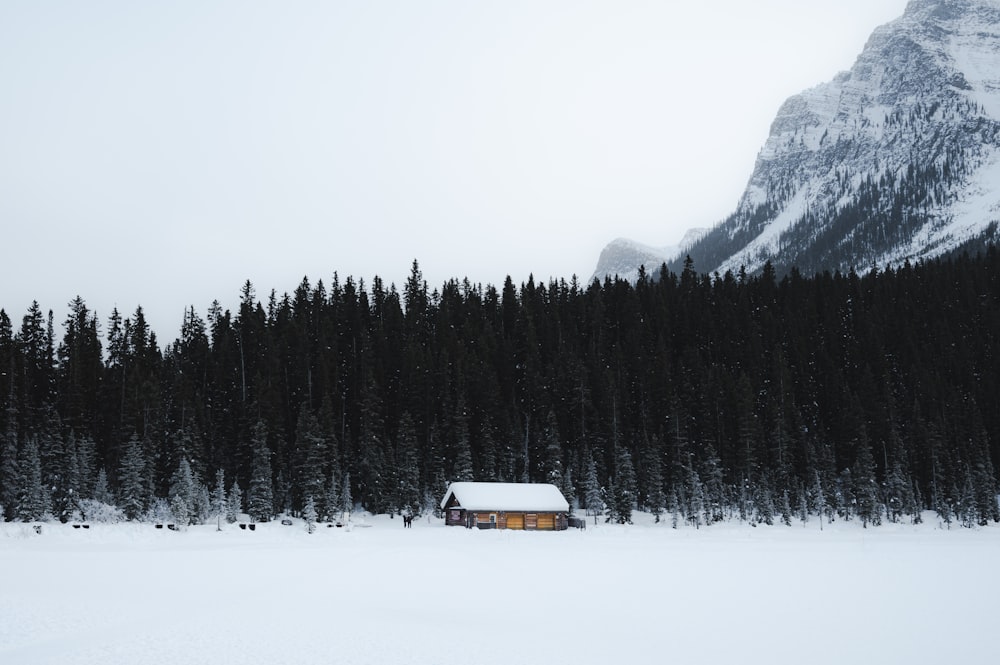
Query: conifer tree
pixel 86 460
pixel 592 490
pixel 763 503
pixel 623 488
pixel 234 503
pixel 552 461
pixel 461 446
pixel 674 507
pixel 696 509
pixel 10 473
pixel 844 495
pixel 56 468
pixel 897 493
pixel 219 494
pixel 865 487
pixel 331 502
pixel 260 496
pixel 786 508
pixel 567 489
pixel 184 488
pixel 346 500
pixel 179 510
pixel 32 500
pixel 818 497
pixel 102 493
pixel 372 477
pixel 309 514
pixel 408 478
pixel 713 486
pixel 309 454
pixel 132 494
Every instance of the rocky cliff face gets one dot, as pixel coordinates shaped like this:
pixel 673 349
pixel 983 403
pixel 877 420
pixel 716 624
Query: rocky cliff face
pixel 897 159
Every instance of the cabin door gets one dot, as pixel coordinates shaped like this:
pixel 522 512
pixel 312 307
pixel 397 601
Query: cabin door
pixel 547 521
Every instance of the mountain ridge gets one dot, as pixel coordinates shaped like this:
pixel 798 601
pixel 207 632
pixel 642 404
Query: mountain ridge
pixel 895 159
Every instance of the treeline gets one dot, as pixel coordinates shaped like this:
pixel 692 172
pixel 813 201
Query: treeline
pixel 700 397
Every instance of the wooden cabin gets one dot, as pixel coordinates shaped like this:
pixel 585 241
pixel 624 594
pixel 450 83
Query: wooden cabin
pixel 527 506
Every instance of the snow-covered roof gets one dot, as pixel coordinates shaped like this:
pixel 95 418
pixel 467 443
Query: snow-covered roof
pixel 507 497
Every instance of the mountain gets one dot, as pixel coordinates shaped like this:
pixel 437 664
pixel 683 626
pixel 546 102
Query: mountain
pixel 623 257
pixel 896 159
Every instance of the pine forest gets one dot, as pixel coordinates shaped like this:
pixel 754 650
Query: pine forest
pixel 764 398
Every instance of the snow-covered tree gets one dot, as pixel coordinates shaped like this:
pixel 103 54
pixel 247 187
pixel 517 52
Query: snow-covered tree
pixel 622 489
pixel 309 451
pixel 219 494
pixel 234 503
pixel 865 487
pixel 408 478
pixel 346 501
pixel 309 514
pixel 713 486
pixel 132 495
pixel 101 492
pixel 185 488
pixel 260 496
pixel 32 500
pixel 592 496
pixel 331 501
pixel 10 474
pixel 179 510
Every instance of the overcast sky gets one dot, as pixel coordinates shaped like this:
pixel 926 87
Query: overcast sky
pixel 163 153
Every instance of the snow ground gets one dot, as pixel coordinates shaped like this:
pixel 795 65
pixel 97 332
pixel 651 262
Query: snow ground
pixel 379 593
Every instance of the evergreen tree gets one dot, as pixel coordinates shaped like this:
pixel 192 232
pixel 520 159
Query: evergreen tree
pixel 184 489
pixel 713 486
pixel 818 497
pixel 132 494
pixel 310 453
pixel 234 503
pixel 373 473
pixel 309 514
pixel 865 487
pixel 898 493
pixel 219 495
pixel 844 496
pixel 32 500
pixel 461 447
pixel 102 493
pixel 696 509
pixel 786 508
pixel 408 478
pixel 10 472
pixel 260 496
pixel 86 461
pixel 592 496
pixel 553 466
pixel 567 489
pixel 179 510
pixel 763 503
pixel 622 490
pixel 332 500
pixel 56 466
pixel 346 500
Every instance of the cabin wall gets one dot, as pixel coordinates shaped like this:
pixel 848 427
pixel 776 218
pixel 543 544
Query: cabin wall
pixel 499 519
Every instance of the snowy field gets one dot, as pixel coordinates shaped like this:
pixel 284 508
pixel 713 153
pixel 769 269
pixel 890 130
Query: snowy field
pixel 379 593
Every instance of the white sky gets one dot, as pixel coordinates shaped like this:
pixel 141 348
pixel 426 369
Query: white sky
pixel 163 153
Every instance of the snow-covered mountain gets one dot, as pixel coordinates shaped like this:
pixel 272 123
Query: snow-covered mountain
pixel 897 159
pixel 623 257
